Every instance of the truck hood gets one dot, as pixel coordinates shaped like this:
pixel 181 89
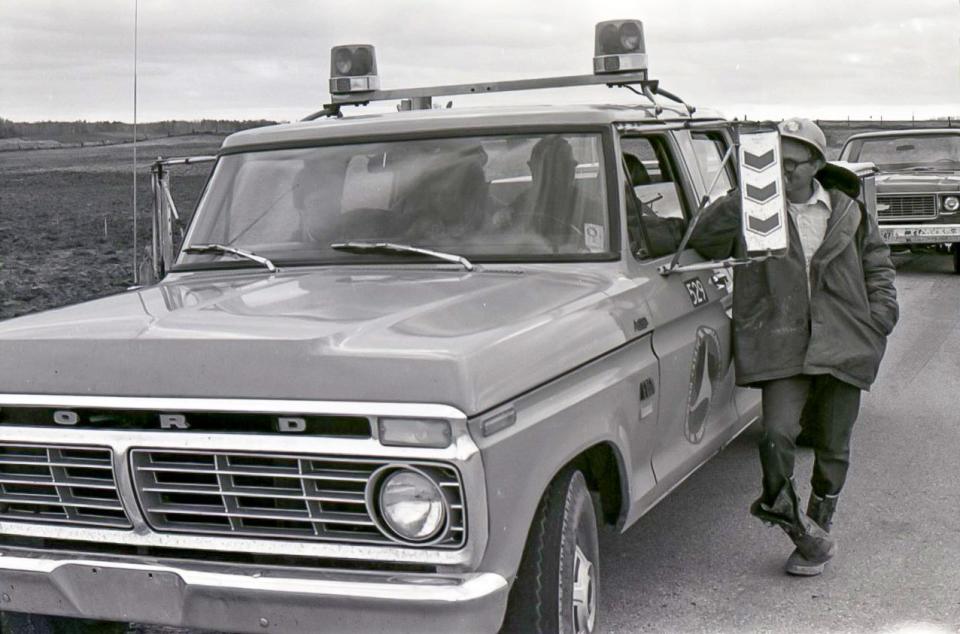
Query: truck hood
pixel 467 339
pixel 918 182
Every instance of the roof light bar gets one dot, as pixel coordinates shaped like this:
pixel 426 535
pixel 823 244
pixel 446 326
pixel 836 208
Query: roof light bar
pixel 620 60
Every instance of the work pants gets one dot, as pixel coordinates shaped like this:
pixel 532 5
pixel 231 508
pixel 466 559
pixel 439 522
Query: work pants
pixel 831 409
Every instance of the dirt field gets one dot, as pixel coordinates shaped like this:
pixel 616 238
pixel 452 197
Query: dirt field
pixel 66 226
pixel 66 222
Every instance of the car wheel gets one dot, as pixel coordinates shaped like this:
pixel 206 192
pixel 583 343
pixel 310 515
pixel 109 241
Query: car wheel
pixel 955 248
pixel 558 584
pixel 20 623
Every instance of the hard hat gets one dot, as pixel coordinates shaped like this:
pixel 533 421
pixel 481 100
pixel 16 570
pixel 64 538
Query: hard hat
pixel 805 131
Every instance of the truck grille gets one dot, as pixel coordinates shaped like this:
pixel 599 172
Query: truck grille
pixel 59 485
pixel 271 495
pixel 914 207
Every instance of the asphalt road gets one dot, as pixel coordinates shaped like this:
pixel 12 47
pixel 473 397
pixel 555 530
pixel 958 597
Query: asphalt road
pixel 699 562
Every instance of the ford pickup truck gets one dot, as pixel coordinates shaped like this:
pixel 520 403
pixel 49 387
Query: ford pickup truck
pixel 400 370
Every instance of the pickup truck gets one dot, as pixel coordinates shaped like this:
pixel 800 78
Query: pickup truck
pixel 400 370
pixel 918 185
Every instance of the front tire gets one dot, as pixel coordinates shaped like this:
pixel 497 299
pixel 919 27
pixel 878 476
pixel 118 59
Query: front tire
pixel 955 250
pixel 558 584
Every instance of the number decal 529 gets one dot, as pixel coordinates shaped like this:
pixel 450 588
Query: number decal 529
pixel 696 291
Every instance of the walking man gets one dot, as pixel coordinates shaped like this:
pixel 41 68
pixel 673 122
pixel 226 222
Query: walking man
pixel 811 325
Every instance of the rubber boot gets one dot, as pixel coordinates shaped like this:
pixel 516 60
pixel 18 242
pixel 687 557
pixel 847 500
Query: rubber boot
pixel 812 542
pixel 820 510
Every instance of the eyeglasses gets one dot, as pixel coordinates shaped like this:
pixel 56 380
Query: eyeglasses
pixel 790 164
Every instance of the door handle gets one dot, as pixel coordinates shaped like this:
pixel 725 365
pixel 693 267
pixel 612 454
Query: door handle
pixel 720 279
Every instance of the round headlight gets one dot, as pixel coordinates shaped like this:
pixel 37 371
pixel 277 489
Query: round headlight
pixel 412 505
pixel 951 203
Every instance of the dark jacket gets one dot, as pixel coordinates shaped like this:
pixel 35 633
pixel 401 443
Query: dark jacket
pixel 840 329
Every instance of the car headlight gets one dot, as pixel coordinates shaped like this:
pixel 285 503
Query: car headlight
pixel 951 204
pixel 412 505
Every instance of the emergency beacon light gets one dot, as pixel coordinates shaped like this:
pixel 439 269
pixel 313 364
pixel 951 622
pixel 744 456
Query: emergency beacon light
pixel 619 47
pixel 353 68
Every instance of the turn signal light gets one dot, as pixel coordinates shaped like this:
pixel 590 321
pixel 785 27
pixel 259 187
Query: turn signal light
pixel 619 47
pixel 353 68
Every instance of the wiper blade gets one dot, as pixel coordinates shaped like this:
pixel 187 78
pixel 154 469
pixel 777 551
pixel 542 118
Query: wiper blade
pixel 390 247
pixel 222 248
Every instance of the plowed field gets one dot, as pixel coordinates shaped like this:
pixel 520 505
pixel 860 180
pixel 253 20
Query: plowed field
pixel 66 219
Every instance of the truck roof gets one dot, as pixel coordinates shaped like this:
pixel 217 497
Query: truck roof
pixel 903 132
pixel 461 119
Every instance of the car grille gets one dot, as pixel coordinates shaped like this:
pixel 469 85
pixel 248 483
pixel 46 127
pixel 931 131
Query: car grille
pixel 914 207
pixel 59 485
pixel 304 497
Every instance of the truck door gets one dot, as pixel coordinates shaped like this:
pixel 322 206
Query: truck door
pixel 689 312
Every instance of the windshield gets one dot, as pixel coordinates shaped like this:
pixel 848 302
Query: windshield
pixel 509 197
pixel 907 152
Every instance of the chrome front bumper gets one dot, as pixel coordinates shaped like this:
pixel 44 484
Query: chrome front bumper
pixel 218 598
pixel 919 233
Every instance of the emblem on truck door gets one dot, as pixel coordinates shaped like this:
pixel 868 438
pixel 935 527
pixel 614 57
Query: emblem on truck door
pixel 704 375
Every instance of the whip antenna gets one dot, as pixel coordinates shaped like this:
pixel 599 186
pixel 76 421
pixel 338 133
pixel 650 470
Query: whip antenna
pixel 136 264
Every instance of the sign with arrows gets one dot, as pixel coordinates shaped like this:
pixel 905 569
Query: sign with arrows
pixel 763 202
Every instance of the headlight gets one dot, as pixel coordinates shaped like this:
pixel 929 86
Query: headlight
pixel 951 204
pixel 412 505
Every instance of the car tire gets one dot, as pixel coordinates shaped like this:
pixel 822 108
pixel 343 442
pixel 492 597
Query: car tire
pixel 20 623
pixel 557 586
pixel 955 251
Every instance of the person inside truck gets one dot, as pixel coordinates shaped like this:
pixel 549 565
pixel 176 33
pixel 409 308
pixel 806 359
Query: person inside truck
pixel 450 202
pixel 649 234
pixel 554 206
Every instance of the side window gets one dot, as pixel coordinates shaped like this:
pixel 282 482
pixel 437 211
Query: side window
pixel 656 214
pixel 709 148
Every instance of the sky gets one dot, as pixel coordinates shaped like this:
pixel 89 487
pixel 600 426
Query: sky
pixel 269 59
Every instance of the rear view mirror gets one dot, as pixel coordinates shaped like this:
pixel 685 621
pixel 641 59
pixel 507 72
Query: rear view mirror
pixel 166 220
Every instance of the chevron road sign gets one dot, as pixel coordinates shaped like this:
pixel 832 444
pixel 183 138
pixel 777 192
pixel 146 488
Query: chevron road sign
pixel 764 206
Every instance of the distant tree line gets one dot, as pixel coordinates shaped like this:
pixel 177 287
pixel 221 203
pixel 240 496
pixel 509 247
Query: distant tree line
pixel 78 131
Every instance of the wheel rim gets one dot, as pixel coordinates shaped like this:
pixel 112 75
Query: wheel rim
pixel 584 594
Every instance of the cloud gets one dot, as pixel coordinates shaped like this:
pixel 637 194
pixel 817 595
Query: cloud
pixel 250 57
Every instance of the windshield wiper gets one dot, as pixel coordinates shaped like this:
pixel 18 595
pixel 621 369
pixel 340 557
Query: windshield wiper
pixel 222 248
pixel 390 247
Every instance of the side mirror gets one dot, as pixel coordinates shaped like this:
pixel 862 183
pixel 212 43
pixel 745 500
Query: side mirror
pixel 763 225
pixel 159 257
pixel 764 204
